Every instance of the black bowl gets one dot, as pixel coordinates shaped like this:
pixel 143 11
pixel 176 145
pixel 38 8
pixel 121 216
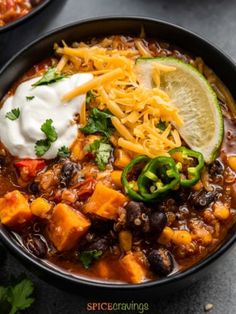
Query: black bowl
pixel 42 48
pixel 24 18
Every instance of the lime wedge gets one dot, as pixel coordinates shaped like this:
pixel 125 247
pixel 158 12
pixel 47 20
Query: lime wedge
pixel 198 106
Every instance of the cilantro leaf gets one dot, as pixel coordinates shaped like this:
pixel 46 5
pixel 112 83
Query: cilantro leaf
pixel 17 297
pixel 89 97
pixel 51 76
pixel 63 152
pixel 102 152
pixel 161 125
pixel 98 122
pixel 87 257
pixel 41 147
pixel 13 114
pixel 29 97
pixel 48 129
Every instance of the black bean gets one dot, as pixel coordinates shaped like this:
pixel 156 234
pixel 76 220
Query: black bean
pixel 99 244
pixel 36 244
pixel 33 188
pixel 137 216
pixel 217 168
pixel 68 170
pixel 202 198
pixel 158 221
pixel 161 261
pixel 100 226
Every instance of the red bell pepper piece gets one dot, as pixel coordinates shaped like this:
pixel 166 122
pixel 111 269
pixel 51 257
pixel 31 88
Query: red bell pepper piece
pixel 31 166
pixel 86 188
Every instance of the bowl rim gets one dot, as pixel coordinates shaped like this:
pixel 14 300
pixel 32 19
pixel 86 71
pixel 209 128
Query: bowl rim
pixel 24 18
pixel 58 273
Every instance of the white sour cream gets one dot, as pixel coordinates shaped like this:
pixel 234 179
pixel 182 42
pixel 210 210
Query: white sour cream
pixel 19 136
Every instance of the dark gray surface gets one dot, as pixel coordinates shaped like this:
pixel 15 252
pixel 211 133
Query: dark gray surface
pixel 214 20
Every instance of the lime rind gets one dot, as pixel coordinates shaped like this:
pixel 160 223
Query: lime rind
pixel 191 93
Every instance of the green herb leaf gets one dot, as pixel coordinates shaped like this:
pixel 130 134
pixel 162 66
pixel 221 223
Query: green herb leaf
pixel 29 97
pixel 48 129
pixel 51 76
pixel 89 97
pixel 14 114
pixel 102 152
pixel 87 257
pixel 17 297
pixel 63 152
pixel 98 122
pixel 161 125
pixel 41 147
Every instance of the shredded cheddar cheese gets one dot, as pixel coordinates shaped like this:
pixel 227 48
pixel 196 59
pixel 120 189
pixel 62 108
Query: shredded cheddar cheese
pixel 137 110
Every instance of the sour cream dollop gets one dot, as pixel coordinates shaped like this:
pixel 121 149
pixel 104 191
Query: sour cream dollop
pixel 19 136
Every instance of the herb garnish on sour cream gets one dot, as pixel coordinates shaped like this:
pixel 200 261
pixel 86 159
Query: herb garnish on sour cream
pixel 13 114
pixel 51 76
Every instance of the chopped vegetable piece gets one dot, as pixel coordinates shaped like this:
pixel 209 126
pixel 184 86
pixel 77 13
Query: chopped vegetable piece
pixel 102 153
pixel 181 237
pixel 116 178
pixel 221 211
pixel 48 129
pixel 41 147
pixel 130 187
pixel 13 114
pixel 63 152
pixel 157 178
pixel 51 76
pixel 185 158
pixel 98 122
pixel 30 166
pixel 14 209
pixel 232 162
pixel 87 257
pixel 40 207
pixel 105 202
pixel 17 297
pixel 122 159
pixel 125 240
pixel 133 270
pixel 66 227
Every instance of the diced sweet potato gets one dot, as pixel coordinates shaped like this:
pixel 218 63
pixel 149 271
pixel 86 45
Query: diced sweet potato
pixel 40 207
pixel 66 227
pixel 135 272
pixel 105 202
pixel 14 209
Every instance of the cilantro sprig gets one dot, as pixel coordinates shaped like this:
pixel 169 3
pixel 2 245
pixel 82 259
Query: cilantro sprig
pixel 48 129
pixel 161 125
pixel 49 77
pixel 102 152
pixel 13 114
pixel 98 122
pixel 63 152
pixel 43 145
pixel 29 98
pixel 15 298
pixel 87 257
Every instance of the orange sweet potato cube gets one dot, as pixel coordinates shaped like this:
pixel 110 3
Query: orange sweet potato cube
pixel 133 270
pixel 66 227
pixel 105 202
pixel 14 209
